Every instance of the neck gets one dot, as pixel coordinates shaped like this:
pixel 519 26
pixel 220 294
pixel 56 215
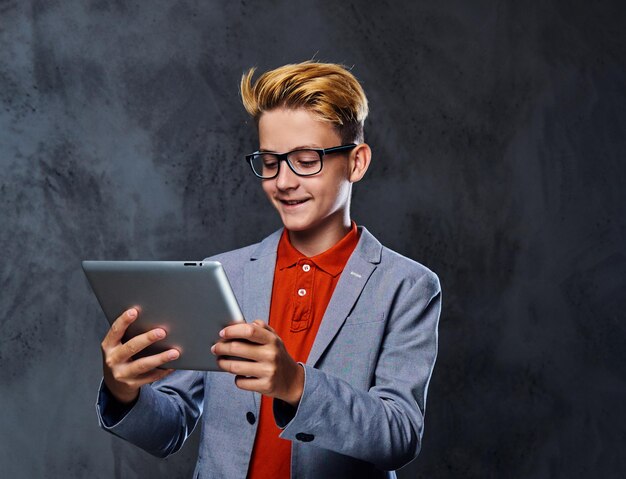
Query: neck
pixel 316 240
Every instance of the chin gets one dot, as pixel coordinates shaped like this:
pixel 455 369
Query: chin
pixel 296 225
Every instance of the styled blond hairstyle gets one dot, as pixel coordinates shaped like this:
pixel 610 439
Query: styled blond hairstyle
pixel 328 90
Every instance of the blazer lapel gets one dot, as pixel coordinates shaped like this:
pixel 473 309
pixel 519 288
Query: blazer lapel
pixel 259 278
pixel 257 294
pixel 354 277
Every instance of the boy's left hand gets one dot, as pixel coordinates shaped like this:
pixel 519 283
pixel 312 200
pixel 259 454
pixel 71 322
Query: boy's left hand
pixel 270 371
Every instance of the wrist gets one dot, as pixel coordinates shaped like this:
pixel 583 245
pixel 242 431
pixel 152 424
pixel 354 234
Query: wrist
pixel 126 397
pixel 297 387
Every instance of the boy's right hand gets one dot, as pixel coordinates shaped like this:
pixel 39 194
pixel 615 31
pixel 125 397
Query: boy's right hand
pixel 124 376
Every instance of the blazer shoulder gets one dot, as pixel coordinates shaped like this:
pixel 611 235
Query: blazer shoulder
pixel 409 269
pixel 236 255
pixel 240 256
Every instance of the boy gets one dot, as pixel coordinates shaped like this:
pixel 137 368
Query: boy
pixel 342 337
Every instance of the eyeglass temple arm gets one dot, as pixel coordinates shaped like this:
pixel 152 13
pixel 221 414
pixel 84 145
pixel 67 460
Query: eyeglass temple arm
pixel 339 148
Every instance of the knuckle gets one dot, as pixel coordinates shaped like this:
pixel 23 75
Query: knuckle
pixel 234 367
pixel 122 323
pixel 142 367
pixel 109 362
pixel 272 356
pixel 131 347
pixel 268 386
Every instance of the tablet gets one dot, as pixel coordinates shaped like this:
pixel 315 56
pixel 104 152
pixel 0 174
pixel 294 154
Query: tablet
pixel 190 300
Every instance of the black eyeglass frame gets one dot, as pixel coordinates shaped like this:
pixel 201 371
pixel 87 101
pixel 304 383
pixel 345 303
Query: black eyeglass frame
pixel 284 157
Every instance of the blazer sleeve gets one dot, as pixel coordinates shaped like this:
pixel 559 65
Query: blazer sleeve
pixel 384 425
pixel 164 415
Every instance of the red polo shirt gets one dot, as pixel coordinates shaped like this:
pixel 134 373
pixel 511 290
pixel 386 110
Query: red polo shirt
pixel 302 289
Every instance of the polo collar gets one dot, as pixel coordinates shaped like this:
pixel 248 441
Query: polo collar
pixel 368 248
pixel 332 261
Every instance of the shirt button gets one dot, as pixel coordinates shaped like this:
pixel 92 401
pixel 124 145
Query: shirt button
pixel 250 417
pixel 306 268
pixel 301 292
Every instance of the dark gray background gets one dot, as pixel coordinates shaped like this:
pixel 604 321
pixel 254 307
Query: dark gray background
pixel 498 131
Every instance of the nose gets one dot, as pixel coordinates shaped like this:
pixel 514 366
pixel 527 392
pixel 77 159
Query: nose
pixel 286 178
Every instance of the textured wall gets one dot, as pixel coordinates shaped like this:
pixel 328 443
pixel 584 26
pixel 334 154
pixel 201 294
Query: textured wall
pixel 498 131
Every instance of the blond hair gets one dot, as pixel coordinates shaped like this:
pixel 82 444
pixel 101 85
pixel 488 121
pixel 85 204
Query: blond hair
pixel 328 90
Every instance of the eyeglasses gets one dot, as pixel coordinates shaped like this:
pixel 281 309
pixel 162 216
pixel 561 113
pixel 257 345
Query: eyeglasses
pixel 304 162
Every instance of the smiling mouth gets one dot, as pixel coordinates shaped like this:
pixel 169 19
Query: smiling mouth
pixel 293 202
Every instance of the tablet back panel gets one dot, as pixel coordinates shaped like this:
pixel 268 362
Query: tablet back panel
pixel 192 301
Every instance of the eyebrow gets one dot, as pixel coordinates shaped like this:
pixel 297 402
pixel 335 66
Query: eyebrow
pixel 301 147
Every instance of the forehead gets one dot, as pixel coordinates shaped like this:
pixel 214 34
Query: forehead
pixel 283 129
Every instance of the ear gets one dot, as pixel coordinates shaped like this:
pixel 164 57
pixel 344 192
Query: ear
pixel 360 159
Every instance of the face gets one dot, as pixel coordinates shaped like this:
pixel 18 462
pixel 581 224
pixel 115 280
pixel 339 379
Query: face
pixel 313 203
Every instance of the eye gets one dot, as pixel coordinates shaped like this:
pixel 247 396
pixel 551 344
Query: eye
pixel 305 160
pixel 269 161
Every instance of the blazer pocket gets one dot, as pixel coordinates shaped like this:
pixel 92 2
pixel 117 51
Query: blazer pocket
pixel 358 319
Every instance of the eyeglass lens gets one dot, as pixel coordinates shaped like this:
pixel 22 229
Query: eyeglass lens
pixel 302 162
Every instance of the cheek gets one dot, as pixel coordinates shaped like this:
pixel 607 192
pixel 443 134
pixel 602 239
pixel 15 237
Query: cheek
pixel 267 188
pixel 336 193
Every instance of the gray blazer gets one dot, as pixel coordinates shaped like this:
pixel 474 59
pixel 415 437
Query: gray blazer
pixel 362 410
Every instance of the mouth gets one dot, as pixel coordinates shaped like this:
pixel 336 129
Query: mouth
pixel 293 202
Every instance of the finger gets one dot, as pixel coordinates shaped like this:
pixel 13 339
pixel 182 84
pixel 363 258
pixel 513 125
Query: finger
pixel 237 348
pixel 263 324
pixel 145 366
pixel 138 343
pixel 249 331
pixel 248 383
pixel 240 367
pixel 118 328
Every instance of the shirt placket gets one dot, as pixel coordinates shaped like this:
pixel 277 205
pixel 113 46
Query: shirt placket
pixel 303 295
